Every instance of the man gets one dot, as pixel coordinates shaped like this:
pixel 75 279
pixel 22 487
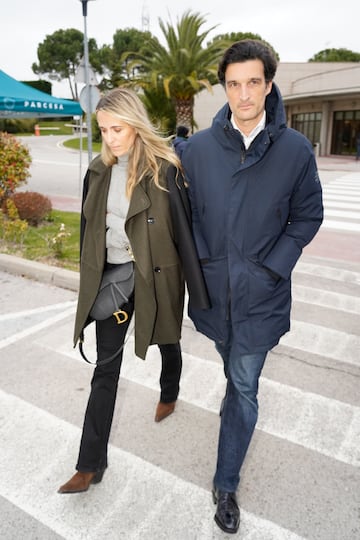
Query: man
pixel 181 139
pixel 256 202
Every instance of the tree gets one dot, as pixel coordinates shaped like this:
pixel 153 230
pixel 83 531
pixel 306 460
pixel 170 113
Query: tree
pixel 336 55
pixel 182 68
pixel 160 109
pixel 116 59
pixel 60 55
pixel 238 36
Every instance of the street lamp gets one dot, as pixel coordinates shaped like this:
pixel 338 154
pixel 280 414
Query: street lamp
pixel 87 85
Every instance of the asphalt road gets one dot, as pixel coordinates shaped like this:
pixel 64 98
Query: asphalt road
pixel 55 170
pixel 301 477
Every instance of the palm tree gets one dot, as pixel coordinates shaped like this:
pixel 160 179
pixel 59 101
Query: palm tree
pixel 184 67
pixel 160 109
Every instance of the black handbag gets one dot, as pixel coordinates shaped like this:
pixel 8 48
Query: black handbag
pixel 116 287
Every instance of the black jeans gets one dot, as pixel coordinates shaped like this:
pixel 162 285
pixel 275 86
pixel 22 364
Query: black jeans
pixel 100 408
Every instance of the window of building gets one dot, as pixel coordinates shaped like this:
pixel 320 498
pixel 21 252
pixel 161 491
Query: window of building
pixel 346 127
pixel 309 124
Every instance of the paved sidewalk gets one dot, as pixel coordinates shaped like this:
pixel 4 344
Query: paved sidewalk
pixel 338 163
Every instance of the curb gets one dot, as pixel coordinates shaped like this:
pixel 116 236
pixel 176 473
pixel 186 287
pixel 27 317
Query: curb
pixel 59 277
pixel 51 275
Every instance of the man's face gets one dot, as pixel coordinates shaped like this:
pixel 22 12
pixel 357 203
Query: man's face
pixel 246 91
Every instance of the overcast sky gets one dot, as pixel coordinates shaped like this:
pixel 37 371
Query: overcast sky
pixel 296 29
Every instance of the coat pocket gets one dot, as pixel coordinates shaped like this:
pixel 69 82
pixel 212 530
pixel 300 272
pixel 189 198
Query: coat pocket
pixel 263 287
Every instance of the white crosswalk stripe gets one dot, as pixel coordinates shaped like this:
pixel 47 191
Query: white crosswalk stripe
pixel 342 200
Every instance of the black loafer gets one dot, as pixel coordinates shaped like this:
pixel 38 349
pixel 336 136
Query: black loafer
pixel 227 515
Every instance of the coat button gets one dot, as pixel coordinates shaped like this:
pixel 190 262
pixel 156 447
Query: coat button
pixel 157 269
pixel 151 220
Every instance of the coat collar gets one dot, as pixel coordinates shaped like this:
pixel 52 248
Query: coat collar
pixel 98 166
pixel 139 201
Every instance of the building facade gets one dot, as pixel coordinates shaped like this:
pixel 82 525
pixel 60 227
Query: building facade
pixel 322 101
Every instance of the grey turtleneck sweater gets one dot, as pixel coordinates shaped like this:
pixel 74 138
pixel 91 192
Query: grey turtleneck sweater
pixel 117 243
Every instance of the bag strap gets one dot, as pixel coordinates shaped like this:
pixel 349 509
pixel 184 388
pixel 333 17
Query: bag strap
pixel 102 362
pixel 117 352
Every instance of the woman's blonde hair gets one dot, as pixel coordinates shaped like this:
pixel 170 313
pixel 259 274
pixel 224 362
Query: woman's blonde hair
pixel 149 148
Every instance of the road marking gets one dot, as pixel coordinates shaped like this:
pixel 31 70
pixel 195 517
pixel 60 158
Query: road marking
pixel 353 193
pixel 340 196
pixel 341 225
pixel 49 321
pixel 347 206
pixel 349 177
pixel 57 163
pixel 316 339
pixel 328 299
pixel 34 311
pixel 328 272
pixel 44 457
pixel 342 213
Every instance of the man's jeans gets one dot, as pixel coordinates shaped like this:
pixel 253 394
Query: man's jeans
pixel 239 413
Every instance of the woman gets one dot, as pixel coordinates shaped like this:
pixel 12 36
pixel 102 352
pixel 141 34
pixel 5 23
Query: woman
pixel 134 209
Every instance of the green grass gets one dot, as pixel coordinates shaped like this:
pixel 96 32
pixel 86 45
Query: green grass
pixel 37 241
pixel 74 144
pixel 52 128
pixel 55 128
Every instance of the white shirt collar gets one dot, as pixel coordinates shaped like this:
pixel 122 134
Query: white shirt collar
pixel 248 139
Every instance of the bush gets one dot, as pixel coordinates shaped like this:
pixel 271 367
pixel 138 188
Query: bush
pixel 31 206
pixel 16 125
pixel 13 228
pixel 15 163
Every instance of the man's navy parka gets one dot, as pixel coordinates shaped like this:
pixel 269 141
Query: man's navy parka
pixel 253 212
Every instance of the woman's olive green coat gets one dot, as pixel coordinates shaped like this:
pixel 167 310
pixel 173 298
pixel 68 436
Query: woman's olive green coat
pixel 159 282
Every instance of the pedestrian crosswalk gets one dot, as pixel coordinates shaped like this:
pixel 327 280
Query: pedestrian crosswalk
pixel 309 418
pixel 342 203
pixel 151 504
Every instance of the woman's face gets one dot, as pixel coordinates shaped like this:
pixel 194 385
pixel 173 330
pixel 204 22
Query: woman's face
pixel 119 137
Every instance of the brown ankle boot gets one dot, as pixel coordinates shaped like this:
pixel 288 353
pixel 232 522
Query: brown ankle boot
pixel 163 410
pixel 81 482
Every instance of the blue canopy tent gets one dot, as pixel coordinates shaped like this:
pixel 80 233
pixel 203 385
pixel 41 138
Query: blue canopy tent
pixel 19 100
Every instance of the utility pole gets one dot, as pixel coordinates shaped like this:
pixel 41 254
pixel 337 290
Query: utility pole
pixel 87 85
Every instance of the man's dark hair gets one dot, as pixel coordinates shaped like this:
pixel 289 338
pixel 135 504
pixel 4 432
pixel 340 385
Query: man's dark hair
pixel 249 49
pixel 182 131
